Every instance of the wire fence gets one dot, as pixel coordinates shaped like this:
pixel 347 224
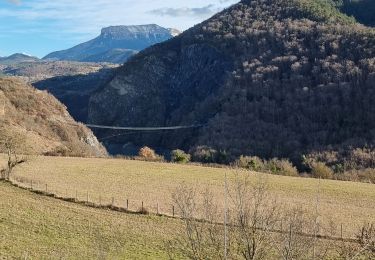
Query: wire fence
pixel 134 206
pixel 80 196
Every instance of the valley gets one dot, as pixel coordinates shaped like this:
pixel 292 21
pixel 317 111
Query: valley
pixel 250 134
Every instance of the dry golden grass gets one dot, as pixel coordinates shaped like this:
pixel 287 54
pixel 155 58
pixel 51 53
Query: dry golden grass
pixel 347 203
pixel 38 227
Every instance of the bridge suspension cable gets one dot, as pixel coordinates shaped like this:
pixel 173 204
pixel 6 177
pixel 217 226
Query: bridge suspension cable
pixel 143 128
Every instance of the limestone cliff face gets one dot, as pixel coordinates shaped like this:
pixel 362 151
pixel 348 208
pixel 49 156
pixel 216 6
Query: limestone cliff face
pixel 115 44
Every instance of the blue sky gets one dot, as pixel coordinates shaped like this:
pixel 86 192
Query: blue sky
pixel 38 27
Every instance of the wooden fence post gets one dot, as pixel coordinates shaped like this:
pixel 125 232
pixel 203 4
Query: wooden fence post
pixel 341 231
pixel 31 185
pixel 157 208
pixel 127 204
pixel 173 210
pixel 113 201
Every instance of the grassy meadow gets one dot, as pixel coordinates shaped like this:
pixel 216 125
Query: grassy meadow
pixel 347 203
pixel 39 227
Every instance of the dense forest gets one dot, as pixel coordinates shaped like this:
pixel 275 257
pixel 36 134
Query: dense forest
pixel 287 79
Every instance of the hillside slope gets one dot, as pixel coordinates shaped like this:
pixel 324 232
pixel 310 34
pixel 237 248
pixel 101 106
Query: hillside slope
pixel 47 126
pixel 38 227
pixel 70 82
pixel 17 58
pixel 116 44
pixel 269 78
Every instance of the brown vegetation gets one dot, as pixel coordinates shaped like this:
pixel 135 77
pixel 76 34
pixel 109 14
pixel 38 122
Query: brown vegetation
pixel 148 154
pixel 45 124
pixel 257 226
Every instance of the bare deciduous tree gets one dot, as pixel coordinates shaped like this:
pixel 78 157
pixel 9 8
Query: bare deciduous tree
pixel 13 144
pixel 254 216
pixel 253 231
pixel 203 237
pixel 364 248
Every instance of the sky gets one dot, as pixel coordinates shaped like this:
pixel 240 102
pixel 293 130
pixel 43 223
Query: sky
pixel 38 27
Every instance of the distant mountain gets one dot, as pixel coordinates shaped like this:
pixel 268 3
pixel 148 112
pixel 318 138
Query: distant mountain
pixel 17 58
pixel 271 78
pixel 116 44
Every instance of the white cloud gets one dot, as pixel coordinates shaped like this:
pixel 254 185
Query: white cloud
pixel 186 11
pixel 16 2
pixel 88 16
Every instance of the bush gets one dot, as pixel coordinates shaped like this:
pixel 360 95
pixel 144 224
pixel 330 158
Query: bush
pixel 148 154
pixel 273 166
pixel 252 163
pixel 180 156
pixel 281 167
pixel 365 175
pixel 58 151
pixel 320 170
pixel 204 154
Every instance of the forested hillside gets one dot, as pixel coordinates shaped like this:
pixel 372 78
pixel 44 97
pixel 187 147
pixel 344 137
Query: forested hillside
pixel 286 78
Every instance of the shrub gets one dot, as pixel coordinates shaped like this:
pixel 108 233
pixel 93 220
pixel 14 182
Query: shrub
pixel 274 166
pixel 320 170
pixel 361 159
pixel 252 163
pixel 180 156
pixel 222 157
pixel 367 175
pixel 366 237
pixel 58 151
pixel 204 154
pixel 281 167
pixel 146 153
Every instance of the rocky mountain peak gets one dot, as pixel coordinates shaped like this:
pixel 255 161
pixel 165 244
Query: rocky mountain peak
pixel 124 31
pixel 116 43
